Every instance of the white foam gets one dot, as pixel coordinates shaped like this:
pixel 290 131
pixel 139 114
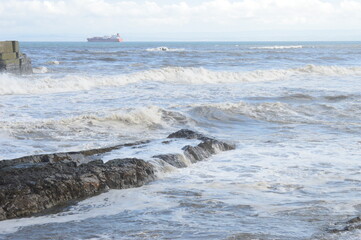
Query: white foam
pixel 155 147
pixel 268 111
pixel 179 75
pixel 38 85
pixel 53 62
pixel 279 47
pixel 148 150
pixel 330 70
pixel 164 49
pixel 280 112
pixel 41 69
pixel 111 124
pixel 106 204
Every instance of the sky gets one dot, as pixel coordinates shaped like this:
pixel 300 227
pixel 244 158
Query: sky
pixel 181 20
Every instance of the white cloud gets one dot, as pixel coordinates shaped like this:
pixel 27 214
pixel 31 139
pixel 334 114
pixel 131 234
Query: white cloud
pixel 75 17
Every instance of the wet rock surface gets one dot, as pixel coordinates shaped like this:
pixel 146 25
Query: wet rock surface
pixel 350 225
pixel 33 184
pixel 173 159
pixel 32 187
pixel 203 150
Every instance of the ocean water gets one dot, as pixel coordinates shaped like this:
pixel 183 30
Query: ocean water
pixel 293 109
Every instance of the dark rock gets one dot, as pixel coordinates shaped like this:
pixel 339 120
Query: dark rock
pixel 188 134
pixel 195 154
pixel 39 183
pixel 79 157
pixel 350 225
pixel 203 150
pixel 25 64
pixel 354 220
pixel 29 190
pixel 35 183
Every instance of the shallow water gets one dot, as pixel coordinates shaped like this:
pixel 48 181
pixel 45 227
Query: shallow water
pixel 292 109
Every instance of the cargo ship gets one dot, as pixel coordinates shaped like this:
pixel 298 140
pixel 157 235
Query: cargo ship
pixel 113 38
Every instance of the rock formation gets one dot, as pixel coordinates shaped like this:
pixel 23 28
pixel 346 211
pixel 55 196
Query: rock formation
pixel 32 184
pixel 350 225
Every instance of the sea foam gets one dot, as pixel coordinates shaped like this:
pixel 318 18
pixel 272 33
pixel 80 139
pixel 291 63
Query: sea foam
pixel 278 47
pixel 165 49
pixel 10 84
pixel 41 69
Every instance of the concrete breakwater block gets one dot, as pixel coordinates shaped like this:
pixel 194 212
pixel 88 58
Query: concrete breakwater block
pixel 16 47
pixel 12 60
pixel 6 47
pixel 8 56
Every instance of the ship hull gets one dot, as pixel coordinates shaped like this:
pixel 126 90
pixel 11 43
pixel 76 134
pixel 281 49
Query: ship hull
pixel 104 40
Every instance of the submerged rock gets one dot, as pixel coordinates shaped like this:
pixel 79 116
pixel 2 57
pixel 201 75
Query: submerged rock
pixel 205 149
pixel 350 225
pixel 32 184
pixel 176 160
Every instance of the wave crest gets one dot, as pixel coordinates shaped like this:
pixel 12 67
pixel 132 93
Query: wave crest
pixel 40 70
pixel 54 62
pixel 88 125
pixel 330 70
pixel 279 112
pixel 165 49
pixel 180 75
pixel 278 47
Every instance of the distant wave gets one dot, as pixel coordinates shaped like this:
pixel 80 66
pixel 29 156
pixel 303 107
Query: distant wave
pixel 98 52
pixel 165 49
pixel 41 69
pixel 108 59
pixel 53 62
pixel 36 84
pixel 330 70
pixel 278 47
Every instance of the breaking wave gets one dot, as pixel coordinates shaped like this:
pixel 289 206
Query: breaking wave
pixel 330 70
pixel 98 124
pixel 55 62
pixel 278 47
pixel 165 49
pixel 266 111
pixel 279 112
pixel 40 70
pixel 111 124
pixel 10 84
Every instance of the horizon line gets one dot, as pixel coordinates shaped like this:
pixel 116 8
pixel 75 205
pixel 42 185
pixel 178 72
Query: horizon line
pixel 131 41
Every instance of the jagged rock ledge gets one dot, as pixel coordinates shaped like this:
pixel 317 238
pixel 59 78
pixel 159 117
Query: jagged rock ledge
pixel 350 225
pixel 33 184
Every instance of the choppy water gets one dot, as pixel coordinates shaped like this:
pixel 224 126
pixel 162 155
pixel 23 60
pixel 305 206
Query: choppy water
pixel 292 109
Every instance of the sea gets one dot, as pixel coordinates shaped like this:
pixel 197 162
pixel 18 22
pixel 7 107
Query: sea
pixel 293 110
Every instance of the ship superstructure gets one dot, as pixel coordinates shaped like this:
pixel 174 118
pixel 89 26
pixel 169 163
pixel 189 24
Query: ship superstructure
pixel 112 38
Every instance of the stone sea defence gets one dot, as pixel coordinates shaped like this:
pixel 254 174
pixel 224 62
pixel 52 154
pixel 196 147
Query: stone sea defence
pixel 12 60
pixel 33 184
